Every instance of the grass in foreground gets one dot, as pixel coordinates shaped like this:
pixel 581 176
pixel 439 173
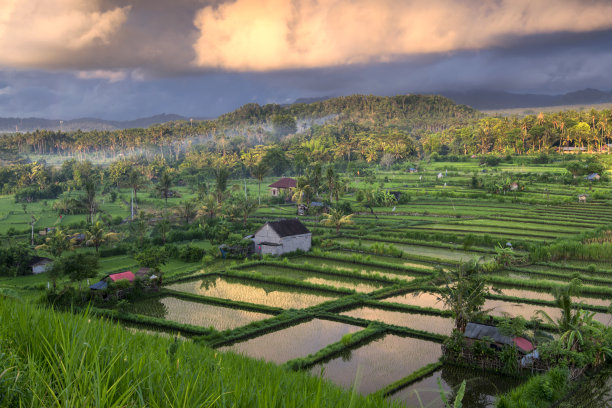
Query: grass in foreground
pixel 53 359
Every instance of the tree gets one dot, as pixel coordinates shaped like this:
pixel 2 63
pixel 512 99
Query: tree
pixel 90 199
pixel 164 185
pixel 187 211
pixel 221 176
pixel 246 206
pixel 96 236
pixel 56 243
pixel 210 207
pixel 79 267
pixel 152 258
pixel 463 293
pixel 336 218
pixel 136 182
pixel 302 192
pixel 283 125
pixel 259 171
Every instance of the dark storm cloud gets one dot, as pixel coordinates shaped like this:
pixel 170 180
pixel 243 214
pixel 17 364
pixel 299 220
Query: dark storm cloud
pixel 121 59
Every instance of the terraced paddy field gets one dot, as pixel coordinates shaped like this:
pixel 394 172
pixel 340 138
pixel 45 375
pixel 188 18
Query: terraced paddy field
pixel 376 364
pixel 195 314
pixel 293 342
pixel 481 389
pixel 352 309
pixel 252 292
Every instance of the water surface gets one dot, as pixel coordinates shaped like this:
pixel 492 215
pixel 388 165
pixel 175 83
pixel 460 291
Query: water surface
pixel 253 292
pixel 195 313
pixel 379 363
pixel 293 342
pixel 432 324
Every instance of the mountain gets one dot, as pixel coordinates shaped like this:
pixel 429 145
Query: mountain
pixel 487 100
pixel 84 124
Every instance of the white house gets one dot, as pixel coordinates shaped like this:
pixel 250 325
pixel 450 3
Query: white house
pixel 40 264
pixel 281 237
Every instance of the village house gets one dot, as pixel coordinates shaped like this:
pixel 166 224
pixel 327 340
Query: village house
pixel 281 237
pixel 593 177
pixel 475 331
pixel 40 264
pixel 286 183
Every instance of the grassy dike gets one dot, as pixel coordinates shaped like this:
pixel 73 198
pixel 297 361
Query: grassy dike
pixel 52 359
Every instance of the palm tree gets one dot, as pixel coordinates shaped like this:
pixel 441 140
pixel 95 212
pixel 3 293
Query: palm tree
pixel 259 171
pixel 463 293
pixel 136 181
pixel 302 191
pixel 164 185
pixel 246 207
pixel 56 245
pixel 336 218
pixel 97 236
pixel 331 178
pixel 187 211
pixel 210 207
pixel 90 199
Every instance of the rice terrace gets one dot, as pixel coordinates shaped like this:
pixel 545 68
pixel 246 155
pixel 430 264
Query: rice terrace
pixel 348 204
pixel 410 278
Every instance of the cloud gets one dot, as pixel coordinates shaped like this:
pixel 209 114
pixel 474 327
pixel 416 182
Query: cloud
pixel 38 33
pixel 110 76
pixel 262 35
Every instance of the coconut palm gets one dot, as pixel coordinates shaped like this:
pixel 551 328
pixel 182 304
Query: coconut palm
pixel 97 236
pixel 164 185
pixel 463 293
pixel 259 171
pixel 336 218
pixel 303 192
pixel 187 211
pixel 210 207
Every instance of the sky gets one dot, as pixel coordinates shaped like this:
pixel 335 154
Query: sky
pixel 123 59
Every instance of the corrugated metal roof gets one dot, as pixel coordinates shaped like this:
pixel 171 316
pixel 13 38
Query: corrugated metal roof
pixel 129 275
pixel 478 331
pixel 285 182
pixel 99 286
pixel 286 228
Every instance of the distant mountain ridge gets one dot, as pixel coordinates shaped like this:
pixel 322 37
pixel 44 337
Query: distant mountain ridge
pixel 85 124
pixel 487 100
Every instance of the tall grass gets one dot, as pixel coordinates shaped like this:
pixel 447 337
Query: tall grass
pixel 75 360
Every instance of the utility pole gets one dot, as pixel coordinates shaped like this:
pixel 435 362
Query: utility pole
pixel 32 222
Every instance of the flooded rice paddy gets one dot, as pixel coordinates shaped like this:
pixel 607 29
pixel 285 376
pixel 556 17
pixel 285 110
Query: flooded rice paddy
pixel 253 292
pixel 433 324
pixel 195 313
pixel 293 342
pixel 348 266
pixel 503 308
pixel 424 299
pixel 379 363
pixel 481 390
pixel 362 286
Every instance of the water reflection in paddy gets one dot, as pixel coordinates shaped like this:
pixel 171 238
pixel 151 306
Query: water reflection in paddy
pixel 195 313
pixel 362 286
pixel 423 299
pixel 433 324
pixel 293 342
pixel 379 363
pixel 481 391
pixel 533 294
pixel 253 292
pixel 501 308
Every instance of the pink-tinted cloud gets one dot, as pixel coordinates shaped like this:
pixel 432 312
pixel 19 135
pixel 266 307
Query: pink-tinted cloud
pixel 261 35
pixel 39 33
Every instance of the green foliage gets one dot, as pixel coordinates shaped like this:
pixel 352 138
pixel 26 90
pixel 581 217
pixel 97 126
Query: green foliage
pixel 153 257
pixel 540 391
pixel 15 260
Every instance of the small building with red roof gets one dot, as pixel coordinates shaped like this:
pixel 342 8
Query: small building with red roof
pixel 127 275
pixel 286 183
